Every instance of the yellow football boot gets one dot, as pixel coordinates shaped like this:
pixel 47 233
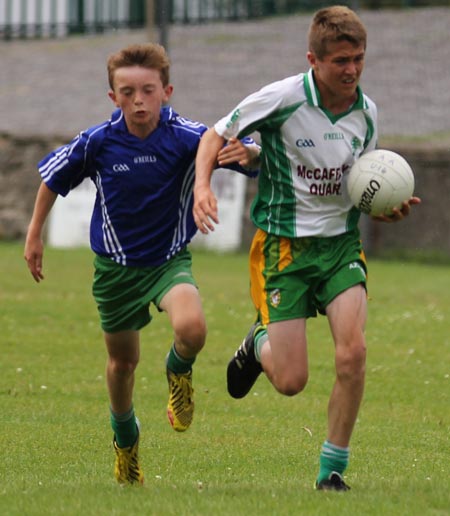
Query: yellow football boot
pixel 180 409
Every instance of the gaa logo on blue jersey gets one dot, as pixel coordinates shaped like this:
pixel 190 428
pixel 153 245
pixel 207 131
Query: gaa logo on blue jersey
pixel 121 167
pixel 304 142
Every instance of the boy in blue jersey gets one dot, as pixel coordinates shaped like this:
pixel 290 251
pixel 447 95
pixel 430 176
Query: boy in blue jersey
pixel 306 257
pixel 142 163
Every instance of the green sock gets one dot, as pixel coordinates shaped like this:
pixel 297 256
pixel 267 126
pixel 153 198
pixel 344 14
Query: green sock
pixel 178 364
pixel 332 458
pixel 124 428
pixel 260 338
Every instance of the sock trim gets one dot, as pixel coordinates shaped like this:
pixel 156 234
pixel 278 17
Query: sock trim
pixel 260 339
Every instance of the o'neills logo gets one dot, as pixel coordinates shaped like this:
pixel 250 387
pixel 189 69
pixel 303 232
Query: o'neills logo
pixel 365 203
pixel 144 159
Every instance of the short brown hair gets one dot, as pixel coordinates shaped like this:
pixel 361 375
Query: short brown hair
pixel 333 24
pixel 148 55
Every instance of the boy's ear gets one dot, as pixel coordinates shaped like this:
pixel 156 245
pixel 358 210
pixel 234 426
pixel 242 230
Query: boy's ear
pixel 168 90
pixel 112 96
pixel 311 58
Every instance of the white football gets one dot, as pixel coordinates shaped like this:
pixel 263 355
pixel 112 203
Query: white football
pixel 380 181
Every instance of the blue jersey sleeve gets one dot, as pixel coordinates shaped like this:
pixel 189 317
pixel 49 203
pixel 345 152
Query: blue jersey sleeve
pixel 67 166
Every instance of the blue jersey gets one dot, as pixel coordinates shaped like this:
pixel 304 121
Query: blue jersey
pixel 143 209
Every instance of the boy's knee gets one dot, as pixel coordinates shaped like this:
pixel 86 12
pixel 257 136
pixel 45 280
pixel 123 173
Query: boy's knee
pixel 192 333
pixel 290 386
pixel 122 367
pixel 351 363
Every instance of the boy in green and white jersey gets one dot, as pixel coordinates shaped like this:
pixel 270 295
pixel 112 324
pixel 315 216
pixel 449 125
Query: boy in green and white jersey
pixel 307 154
pixel 306 256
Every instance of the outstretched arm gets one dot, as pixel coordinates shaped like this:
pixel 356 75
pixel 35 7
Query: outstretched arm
pixel 34 246
pixel 205 202
pixel 235 151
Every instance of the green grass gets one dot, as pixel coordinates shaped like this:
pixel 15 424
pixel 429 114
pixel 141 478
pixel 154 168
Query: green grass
pixel 254 456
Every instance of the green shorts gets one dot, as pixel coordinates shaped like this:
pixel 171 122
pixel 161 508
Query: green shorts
pixel 123 294
pixel 294 278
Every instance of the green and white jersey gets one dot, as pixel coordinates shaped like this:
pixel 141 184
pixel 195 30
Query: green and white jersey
pixel 306 156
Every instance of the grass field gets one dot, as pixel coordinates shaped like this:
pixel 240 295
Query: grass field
pixel 256 456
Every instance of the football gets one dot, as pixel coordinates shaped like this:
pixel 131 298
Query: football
pixel 380 181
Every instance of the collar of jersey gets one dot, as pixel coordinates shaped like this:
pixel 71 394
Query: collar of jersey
pixel 313 94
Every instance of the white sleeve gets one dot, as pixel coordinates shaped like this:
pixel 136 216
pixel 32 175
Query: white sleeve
pixel 250 112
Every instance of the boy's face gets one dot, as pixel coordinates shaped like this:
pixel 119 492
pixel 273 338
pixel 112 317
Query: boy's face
pixel 337 74
pixel 140 93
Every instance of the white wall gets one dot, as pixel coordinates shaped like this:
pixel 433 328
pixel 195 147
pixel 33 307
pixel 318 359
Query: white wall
pixel 48 13
pixel 70 217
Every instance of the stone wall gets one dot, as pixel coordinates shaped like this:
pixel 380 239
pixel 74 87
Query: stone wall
pixel 427 230
pixel 428 227
pixel 19 181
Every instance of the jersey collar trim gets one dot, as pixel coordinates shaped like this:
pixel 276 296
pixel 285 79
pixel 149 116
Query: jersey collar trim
pixel 313 95
pixel 167 113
